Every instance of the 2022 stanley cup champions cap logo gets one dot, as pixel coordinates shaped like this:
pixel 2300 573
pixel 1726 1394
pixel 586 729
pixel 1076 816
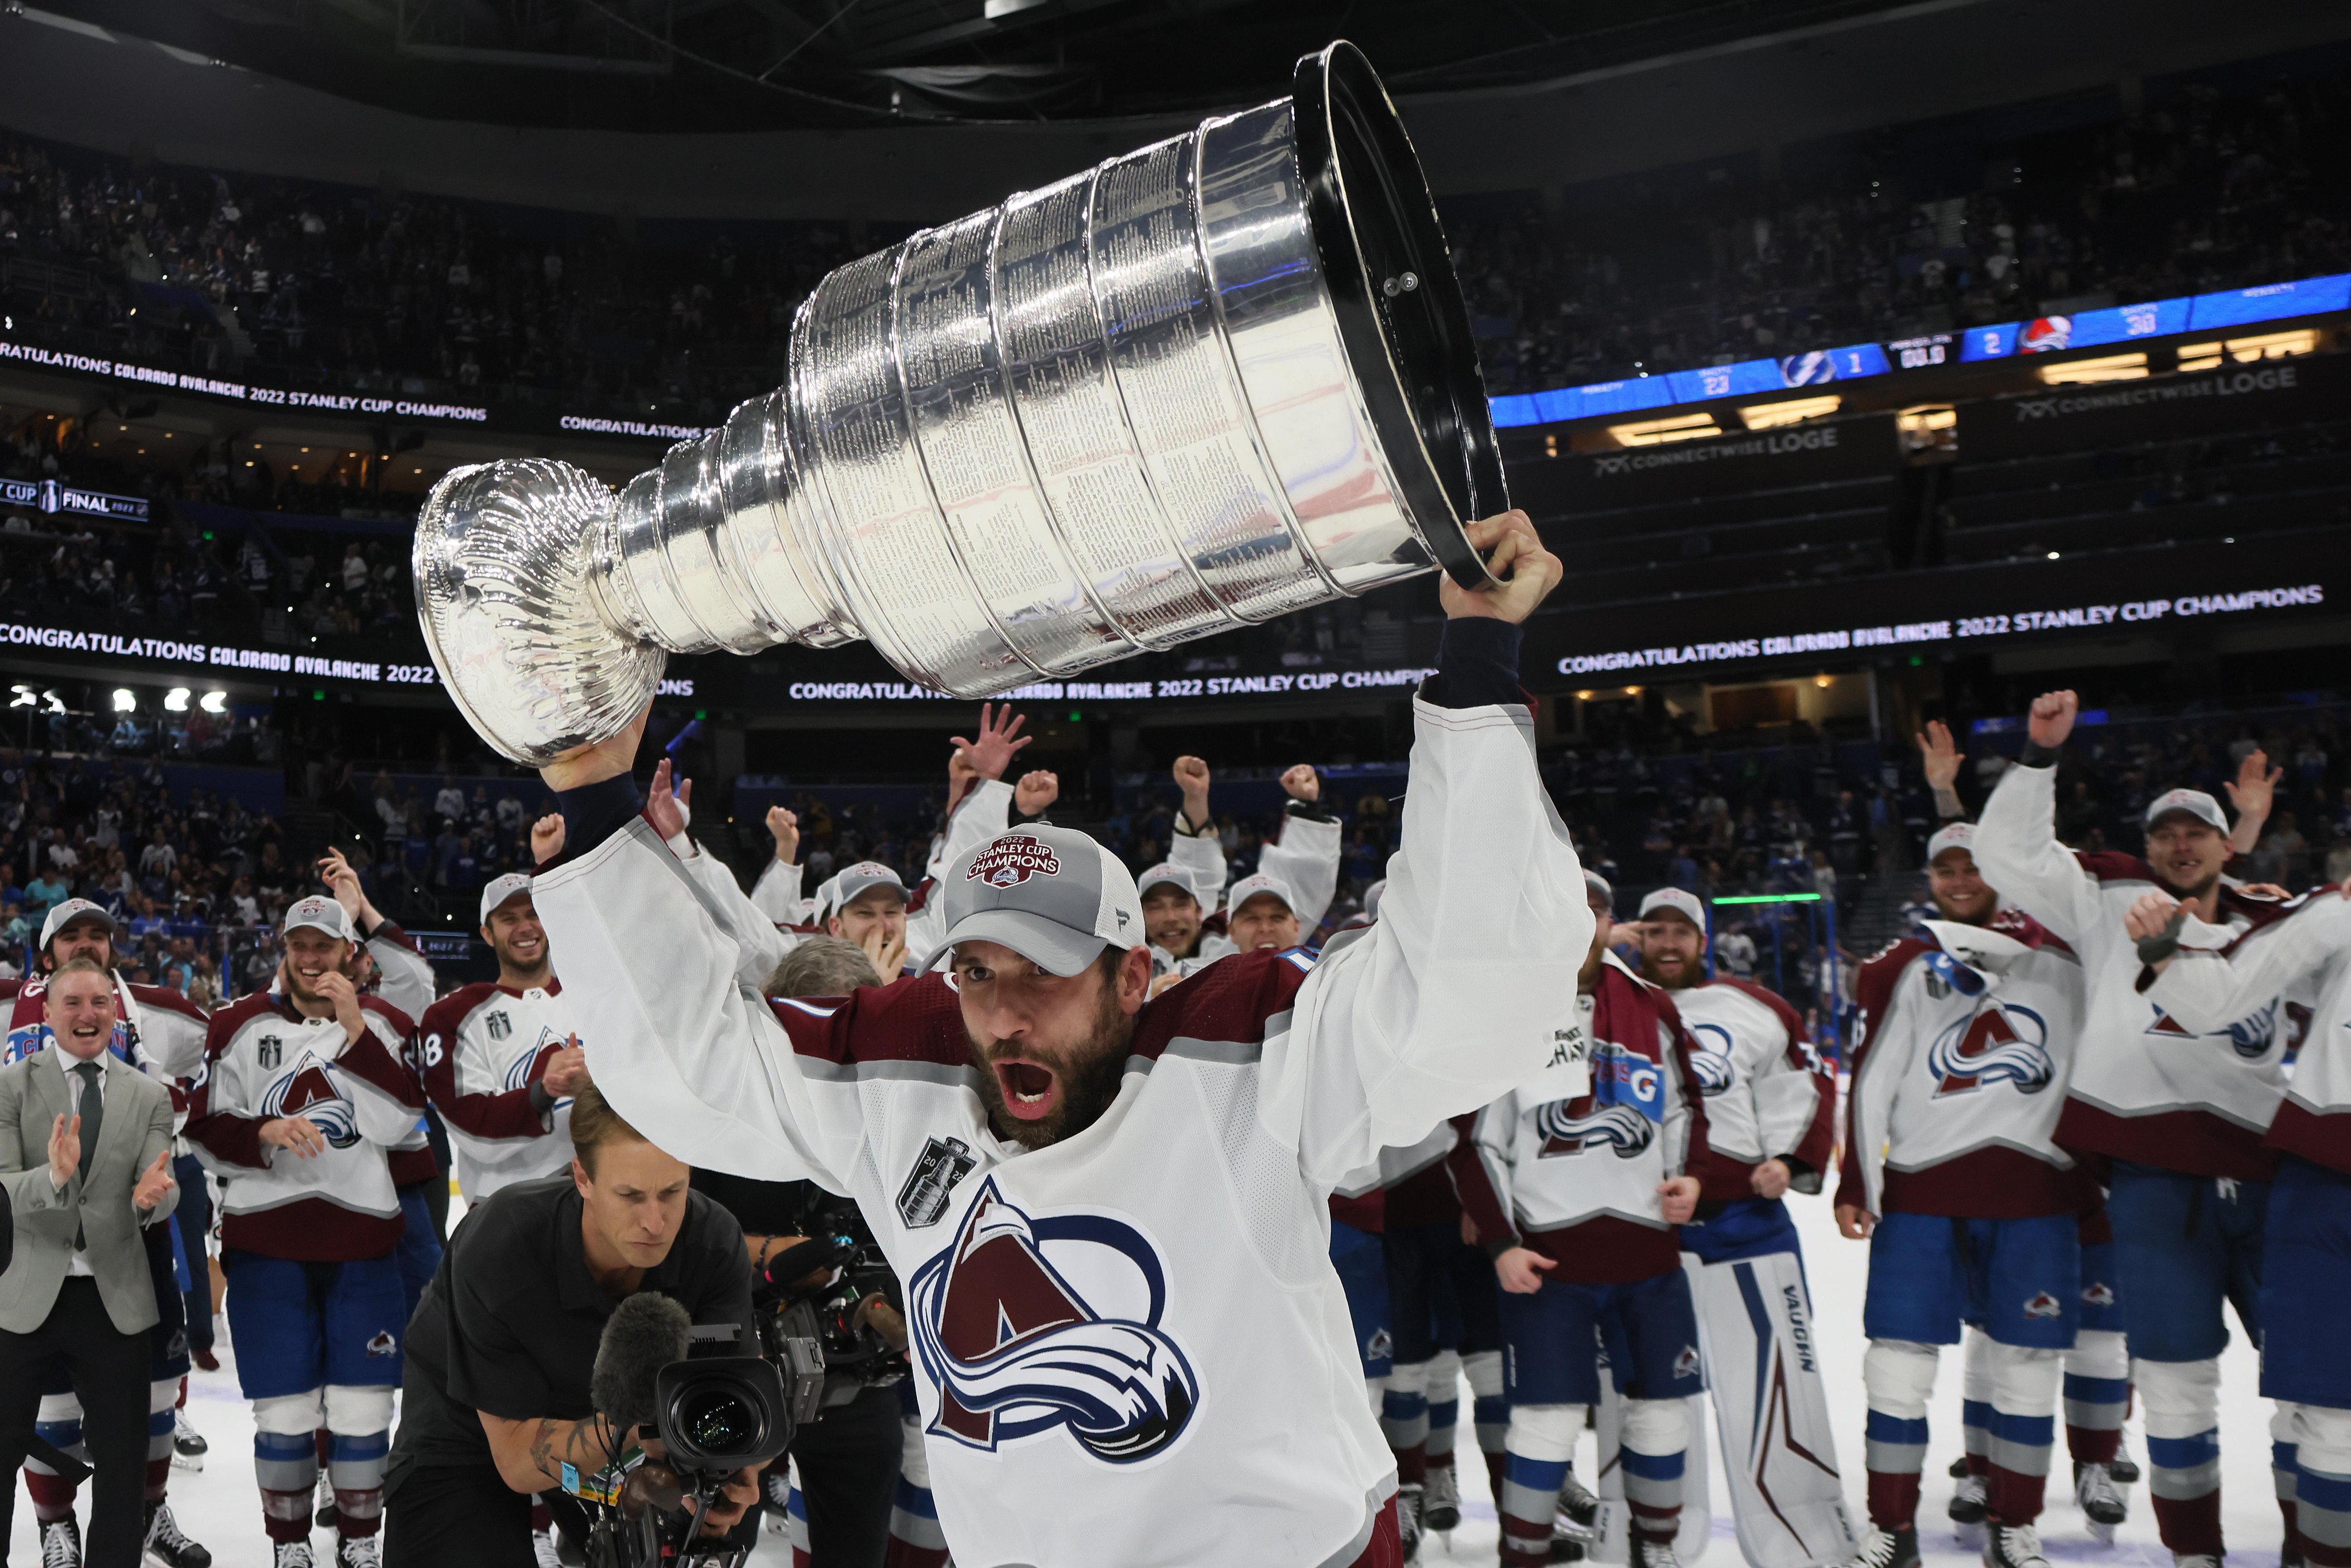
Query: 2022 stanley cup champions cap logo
pixel 1013 860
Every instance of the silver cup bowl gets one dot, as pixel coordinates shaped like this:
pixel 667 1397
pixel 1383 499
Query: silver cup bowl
pixel 1209 383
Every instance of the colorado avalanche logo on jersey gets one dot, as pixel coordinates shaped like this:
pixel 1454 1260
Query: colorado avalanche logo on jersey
pixel 1017 1349
pixel 2249 1037
pixel 529 1067
pixel 1710 1064
pixel 1623 1112
pixel 1996 1045
pixel 309 1091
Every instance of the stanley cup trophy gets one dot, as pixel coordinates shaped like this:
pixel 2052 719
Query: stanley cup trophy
pixel 1207 383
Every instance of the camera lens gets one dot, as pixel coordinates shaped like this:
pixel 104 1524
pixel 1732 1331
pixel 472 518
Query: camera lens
pixel 718 1421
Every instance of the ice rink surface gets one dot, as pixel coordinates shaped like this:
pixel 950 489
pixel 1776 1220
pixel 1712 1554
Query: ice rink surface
pixel 220 1507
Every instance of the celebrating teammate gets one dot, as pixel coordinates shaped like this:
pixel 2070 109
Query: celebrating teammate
pixel 2174 1114
pixel 1109 1209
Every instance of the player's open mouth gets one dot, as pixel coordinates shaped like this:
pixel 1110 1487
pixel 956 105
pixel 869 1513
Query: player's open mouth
pixel 1028 1089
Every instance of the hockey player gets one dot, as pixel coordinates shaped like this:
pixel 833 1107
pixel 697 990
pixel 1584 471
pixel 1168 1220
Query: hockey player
pixel 152 1025
pixel 1305 859
pixel 2173 1115
pixel 305 1088
pixel 1576 1197
pixel 1771 1115
pixel 2201 981
pixel 502 1060
pixel 776 892
pixel 1109 1211
pixel 1951 1172
pixel 1443 1325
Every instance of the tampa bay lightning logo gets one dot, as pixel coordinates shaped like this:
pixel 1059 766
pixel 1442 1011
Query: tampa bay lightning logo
pixel 1995 1045
pixel 1710 1063
pixel 2249 1037
pixel 308 1091
pixel 1017 1349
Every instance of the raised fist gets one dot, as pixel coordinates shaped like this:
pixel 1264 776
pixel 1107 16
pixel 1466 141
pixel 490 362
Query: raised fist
pixel 2051 718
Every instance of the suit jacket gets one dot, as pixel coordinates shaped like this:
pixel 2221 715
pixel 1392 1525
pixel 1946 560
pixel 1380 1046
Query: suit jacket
pixel 137 1127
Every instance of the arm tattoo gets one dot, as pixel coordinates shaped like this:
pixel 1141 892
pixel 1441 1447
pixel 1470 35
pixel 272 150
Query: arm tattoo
pixel 584 1445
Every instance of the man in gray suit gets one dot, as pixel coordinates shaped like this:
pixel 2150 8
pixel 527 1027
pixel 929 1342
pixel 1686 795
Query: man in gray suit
pixel 85 1159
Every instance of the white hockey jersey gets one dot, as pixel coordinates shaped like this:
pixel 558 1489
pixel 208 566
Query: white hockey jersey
pixel 264 1060
pixel 2303 959
pixel 484 1049
pixel 406 980
pixel 1960 1057
pixel 2144 1087
pixel 1131 1346
pixel 1768 1094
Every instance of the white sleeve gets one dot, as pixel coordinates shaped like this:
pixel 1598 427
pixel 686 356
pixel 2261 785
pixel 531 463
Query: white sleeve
pixel 1494 1136
pixel 978 816
pixel 408 982
pixel 2016 847
pixel 2204 991
pixel 1307 859
pixel 173 1041
pixel 671 965
pixel 1201 858
pixel 1674 1133
pixel 777 893
pixel 1451 998
pixel 1786 1094
pixel 381 1117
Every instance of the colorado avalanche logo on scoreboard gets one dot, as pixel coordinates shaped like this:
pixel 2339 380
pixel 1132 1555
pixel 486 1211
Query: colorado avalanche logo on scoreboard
pixel 1033 1324
pixel 1710 1063
pixel 309 1091
pixel 1998 1044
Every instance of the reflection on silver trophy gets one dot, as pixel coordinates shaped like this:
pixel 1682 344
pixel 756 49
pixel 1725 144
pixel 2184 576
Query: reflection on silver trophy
pixel 1206 383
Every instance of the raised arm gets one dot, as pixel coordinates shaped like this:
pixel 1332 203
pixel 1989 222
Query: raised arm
pixel 1306 857
pixel 670 966
pixel 2016 843
pixel 1451 998
pixel 2204 983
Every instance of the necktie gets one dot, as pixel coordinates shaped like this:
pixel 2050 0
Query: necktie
pixel 93 1116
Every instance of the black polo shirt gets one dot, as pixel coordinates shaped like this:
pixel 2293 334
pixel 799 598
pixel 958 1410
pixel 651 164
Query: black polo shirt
pixel 510 1323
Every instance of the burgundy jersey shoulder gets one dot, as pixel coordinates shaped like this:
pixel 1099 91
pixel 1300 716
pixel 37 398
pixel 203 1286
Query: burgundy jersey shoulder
pixel 915 1020
pixel 2031 932
pixel 8 989
pixel 384 1009
pixel 168 999
pixel 2113 865
pixel 223 1026
pixel 1874 986
pixel 2264 912
pixel 1228 1001
pixel 1791 1020
pixel 447 1015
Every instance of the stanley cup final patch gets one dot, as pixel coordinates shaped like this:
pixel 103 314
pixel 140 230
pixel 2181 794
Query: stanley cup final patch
pixel 924 1199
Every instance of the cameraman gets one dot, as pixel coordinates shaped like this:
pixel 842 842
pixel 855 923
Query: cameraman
pixel 495 1394
pixel 848 1458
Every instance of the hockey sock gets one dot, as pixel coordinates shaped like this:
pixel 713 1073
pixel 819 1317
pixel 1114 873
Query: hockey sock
pixel 286 1466
pixel 58 1423
pixel 2182 1400
pixel 1403 1418
pixel 1898 1376
pixel 1490 1413
pixel 2097 1395
pixel 1444 1396
pixel 359 1417
pixel 2023 1429
pixel 1541 1443
pixel 1650 1454
pixel 2285 1466
pixel 916 1540
pixel 2322 1518
pixel 1975 1403
pixel 162 1398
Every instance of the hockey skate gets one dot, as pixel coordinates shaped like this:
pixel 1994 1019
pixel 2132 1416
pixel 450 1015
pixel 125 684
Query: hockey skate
pixel 1886 1549
pixel 1958 1470
pixel 2194 1560
pixel 188 1444
pixel 1440 1501
pixel 1654 1554
pixel 1577 1503
pixel 60 1544
pixel 2123 1467
pixel 1967 1507
pixel 324 1518
pixel 168 1544
pixel 1407 1507
pixel 2103 1504
pixel 2012 1546
pixel 362 1551
pixel 293 1554
pixel 542 1550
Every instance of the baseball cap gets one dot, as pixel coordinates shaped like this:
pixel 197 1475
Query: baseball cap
pixel 1685 904
pixel 72 909
pixel 862 878
pixel 1952 836
pixel 1052 894
pixel 2194 802
pixel 318 912
pixel 1169 873
pixel 1595 883
pixel 1249 886
pixel 514 884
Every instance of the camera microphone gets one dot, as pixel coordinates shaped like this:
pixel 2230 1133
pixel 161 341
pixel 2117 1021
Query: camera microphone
pixel 645 1332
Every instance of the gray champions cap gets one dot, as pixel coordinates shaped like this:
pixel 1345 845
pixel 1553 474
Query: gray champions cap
pixel 1052 894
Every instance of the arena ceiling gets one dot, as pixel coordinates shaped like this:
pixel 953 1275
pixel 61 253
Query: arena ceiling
pixel 741 65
